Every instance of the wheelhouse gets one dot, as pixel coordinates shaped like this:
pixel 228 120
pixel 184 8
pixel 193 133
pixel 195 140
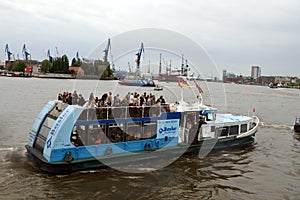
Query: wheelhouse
pixel 225 125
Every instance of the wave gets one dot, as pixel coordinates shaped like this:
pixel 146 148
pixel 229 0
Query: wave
pixel 7 148
pixel 276 126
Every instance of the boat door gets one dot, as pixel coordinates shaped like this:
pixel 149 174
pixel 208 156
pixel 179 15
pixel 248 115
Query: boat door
pixel 189 125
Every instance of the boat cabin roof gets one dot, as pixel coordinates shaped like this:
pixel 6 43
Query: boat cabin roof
pixel 230 119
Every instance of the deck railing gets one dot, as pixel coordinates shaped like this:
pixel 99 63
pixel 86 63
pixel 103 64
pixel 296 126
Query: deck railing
pixel 102 113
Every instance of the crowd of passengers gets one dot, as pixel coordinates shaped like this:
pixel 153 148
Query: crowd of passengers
pixel 107 99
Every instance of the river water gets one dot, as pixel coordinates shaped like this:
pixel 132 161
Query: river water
pixel 268 169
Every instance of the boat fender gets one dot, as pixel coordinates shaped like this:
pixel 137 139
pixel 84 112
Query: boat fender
pixel 157 143
pixel 147 147
pixel 108 151
pixel 68 157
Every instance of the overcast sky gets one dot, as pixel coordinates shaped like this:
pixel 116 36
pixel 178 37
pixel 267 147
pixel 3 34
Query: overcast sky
pixel 235 33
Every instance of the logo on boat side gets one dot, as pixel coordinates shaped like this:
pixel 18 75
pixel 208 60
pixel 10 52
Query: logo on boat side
pixel 167 128
pixel 56 126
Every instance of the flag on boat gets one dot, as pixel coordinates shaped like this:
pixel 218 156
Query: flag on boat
pixel 182 82
pixel 179 83
pixel 198 87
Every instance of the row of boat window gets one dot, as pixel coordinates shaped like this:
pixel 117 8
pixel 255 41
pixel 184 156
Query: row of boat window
pixel 123 112
pixel 229 130
pixel 111 133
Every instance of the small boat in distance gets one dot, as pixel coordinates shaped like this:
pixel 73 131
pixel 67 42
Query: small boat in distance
pixel 273 85
pixel 158 88
pixel 297 125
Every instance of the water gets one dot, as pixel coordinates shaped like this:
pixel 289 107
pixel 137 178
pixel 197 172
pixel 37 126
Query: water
pixel 268 169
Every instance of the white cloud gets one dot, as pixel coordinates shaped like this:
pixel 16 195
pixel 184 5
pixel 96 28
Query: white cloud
pixel 234 32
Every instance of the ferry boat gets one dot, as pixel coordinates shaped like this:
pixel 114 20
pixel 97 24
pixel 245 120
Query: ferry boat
pixel 67 138
pixel 137 79
pixel 297 125
pixel 137 82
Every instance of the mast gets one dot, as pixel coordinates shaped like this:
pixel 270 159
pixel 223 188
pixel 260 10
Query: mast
pixel 159 71
pixel 182 64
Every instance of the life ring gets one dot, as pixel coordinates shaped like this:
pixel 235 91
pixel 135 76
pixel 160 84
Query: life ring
pixel 108 151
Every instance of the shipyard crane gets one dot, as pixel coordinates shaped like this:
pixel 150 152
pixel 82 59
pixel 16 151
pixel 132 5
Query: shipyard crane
pixel 25 53
pixel 106 50
pixel 138 57
pixel 8 53
pixel 108 46
pixel 77 56
pixel 49 55
pixel 57 54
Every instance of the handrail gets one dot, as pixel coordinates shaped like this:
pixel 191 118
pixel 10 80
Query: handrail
pixel 123 112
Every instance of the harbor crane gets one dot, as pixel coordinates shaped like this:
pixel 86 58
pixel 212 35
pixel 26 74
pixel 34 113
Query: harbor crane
pixel 49 55
pixel 106 50
pixel 77 56
pixel 8 53
pixel 25 53
pixel 108 46
pixel 57 54
pixel 138 57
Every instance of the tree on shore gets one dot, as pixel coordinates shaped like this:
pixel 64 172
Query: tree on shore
pixel 76 63
pixel 60 65
pixel 17 66
pixel 46 66
pixel 97 68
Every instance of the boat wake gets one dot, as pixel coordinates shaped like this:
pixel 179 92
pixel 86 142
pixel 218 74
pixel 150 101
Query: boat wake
pixel 276 126
pixel 14 160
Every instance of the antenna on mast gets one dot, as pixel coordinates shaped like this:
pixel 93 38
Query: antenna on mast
pixel 159 71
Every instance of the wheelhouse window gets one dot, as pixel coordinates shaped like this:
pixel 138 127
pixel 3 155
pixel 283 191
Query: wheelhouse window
pixel 211 116
pixel 44 130
pixel 243 128
pixel 93 134
pixel 150 129
pixel 43 133
pixel 88 135
pixel 212 128
pixel 234 130
pixel 223 131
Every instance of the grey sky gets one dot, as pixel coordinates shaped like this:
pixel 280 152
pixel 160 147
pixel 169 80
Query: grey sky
pixel 235 33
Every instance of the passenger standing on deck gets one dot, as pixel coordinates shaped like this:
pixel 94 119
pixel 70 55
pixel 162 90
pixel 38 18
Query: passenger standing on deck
pixel 64 97
pixel 75 98
pixel 161 100
pixel 92 97
pixel 128 96
pixel 81 100
pixel 69 99
pixel 125 101
pixel 142 100
pixel 117 101
pixel 109 99
pixel 60 97
pixel 104 98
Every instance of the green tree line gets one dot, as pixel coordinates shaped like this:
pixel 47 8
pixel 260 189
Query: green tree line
pixel 61 65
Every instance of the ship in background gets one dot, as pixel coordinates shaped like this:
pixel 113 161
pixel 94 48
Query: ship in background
pixel 137 78
pixel 175 74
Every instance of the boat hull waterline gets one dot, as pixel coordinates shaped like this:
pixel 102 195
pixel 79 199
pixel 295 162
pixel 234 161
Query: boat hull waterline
pixel 116 161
